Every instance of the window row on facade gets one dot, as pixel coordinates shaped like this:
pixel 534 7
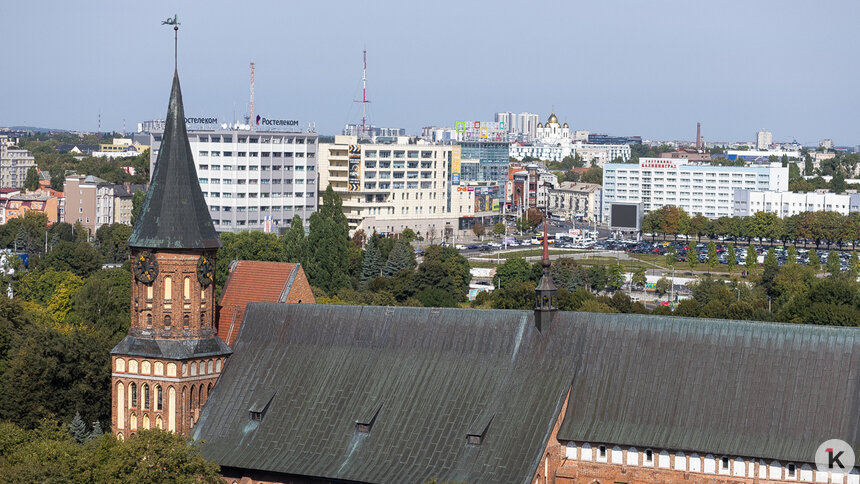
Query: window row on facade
pixel 157 368
pixel 708 464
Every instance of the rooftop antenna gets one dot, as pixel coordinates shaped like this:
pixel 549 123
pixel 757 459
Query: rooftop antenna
pixel 364 100
pixel 251 119
pixel 175 23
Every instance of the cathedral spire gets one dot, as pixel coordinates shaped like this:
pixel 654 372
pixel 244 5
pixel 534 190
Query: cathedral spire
pixel 174 214
pixel 545 292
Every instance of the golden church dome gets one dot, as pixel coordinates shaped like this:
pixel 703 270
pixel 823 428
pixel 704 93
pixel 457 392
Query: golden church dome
pixel 566 126
pixel 552 119
pixel 540 125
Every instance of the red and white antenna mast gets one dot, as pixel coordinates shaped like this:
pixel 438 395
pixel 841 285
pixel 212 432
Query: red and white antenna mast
pixel 251 119
pixel 364 100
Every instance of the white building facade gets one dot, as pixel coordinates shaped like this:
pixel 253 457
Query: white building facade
pixel 697 188
pixel 786 204
pixel 253 180
pixel 387 188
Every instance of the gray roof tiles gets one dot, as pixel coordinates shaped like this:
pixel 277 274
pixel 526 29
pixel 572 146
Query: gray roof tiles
pixel 431 377
pixel 174 214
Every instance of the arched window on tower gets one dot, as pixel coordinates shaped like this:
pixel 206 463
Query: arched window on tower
pixel 203 319
pixel 145 390
pixel 149 320
pixel 149 292
pixel 133 399
pixel 168 288
pixel 186 289
pixel 158 397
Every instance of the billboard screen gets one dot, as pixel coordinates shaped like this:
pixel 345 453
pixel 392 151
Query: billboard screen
pixel 354 167
pixel 624 216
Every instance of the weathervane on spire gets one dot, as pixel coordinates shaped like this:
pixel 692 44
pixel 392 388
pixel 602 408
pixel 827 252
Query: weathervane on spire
pixel 175 23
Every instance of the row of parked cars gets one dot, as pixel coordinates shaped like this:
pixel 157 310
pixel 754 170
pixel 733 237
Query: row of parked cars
pixel 683 249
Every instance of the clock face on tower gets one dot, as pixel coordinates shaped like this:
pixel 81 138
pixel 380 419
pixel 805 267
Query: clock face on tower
pixel 145 267
pixel 205 270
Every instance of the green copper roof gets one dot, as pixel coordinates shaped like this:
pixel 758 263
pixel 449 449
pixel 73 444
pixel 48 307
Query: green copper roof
pixel 174 214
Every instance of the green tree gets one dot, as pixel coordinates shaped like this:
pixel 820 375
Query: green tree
pixel 712 256
pixel 113 242
pixel 638 279
pixel 662 286
pixel 791 255
pixel 78 429
pixel 136 204
pixel 31 182
pixel 400 258
pixel 444 268
pixel 327 264
pixel 770 261
pixel 58 178
pixel 513 271
pixel 731 258
pixel 432 297
pixel 751 259
pixel 478 229
pixel 853 265
pixel 692 258
pixel 671 257
pixel 593 175
pixel 372 262
pixel 814 262
pixel 295 243
pixel 837 183
pixel 615 277
pixel 519 295
pixel 499 228
pixel 80 258
pixel 833 264
pixel 408 235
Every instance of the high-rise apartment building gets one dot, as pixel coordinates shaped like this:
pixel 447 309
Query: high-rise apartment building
pixel 386 188
pixel 763 140
pixel 253 180
pixel 14 164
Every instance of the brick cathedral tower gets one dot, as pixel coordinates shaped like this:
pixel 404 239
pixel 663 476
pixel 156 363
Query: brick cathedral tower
pixel 163 371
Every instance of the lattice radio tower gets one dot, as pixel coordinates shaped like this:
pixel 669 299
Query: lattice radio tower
pixel 364 99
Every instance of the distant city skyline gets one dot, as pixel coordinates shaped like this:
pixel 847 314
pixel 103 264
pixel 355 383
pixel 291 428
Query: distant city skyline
pixel 627 68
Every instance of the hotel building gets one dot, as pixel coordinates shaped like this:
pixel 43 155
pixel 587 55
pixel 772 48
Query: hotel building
pixel 697 188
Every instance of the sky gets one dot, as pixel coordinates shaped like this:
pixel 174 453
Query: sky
pixel 649 68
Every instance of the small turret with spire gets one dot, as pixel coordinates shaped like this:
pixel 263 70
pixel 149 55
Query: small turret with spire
pixel 545 292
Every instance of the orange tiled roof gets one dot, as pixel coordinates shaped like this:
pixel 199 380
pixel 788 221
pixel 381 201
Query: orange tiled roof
pixel 254 281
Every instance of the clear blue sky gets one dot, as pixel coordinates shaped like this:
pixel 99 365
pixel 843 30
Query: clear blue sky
pixel 624 67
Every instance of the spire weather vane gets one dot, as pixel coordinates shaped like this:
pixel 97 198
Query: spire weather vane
pixel 175 23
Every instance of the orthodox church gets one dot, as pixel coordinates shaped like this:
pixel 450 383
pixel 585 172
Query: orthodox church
pixel 552 133
pixel 313 393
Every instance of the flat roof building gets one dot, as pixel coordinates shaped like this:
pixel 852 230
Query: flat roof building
pixel 697 188
pixel 253 180
pixel 390 187
pixel 786 204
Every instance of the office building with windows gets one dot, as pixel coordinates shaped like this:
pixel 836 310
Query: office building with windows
pixel 253 180
pixel 697 188
pixel 492 162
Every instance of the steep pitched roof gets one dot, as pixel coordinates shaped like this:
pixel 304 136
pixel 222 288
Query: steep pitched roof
pixel 430 376
pixel 174 214
pixel 422 379
pixel 736 388
pixel 258 281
